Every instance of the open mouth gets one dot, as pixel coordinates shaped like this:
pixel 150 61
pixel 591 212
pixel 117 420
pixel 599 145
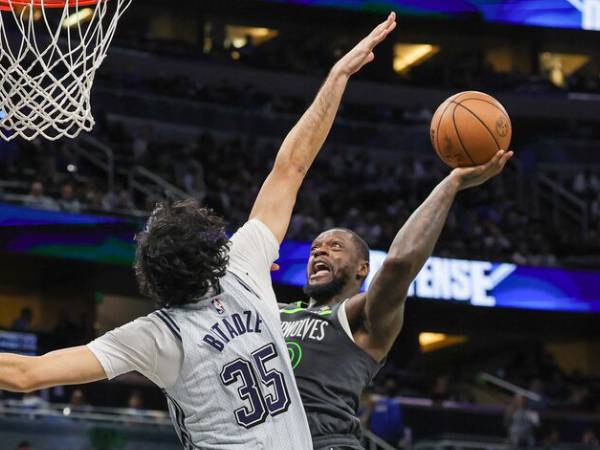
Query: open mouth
pixel 320 269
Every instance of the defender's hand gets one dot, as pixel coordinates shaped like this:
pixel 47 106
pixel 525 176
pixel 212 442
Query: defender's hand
pixel 363 54
pixel 468 177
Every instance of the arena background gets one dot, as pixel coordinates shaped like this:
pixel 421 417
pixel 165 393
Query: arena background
pixel 193 101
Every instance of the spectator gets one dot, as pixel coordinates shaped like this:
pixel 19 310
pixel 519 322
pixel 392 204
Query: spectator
pixel 77 399
pixel 37 199
pixel 590 440
pixel 440 392
pixel 23 322
pixel 24 445
pixel 135 401
pixel 66 331
pixel 135 404
pixel 68 201
pixel 119 201
pixel 521 422
pixel 36 404
pixel 77 402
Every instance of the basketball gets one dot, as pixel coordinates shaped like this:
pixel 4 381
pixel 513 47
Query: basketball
pixel 469 128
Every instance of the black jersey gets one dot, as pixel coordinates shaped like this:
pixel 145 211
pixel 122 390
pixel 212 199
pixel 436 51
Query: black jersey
pixel 331 371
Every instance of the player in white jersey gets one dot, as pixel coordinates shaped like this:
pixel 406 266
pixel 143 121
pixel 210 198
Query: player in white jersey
pixel 215 346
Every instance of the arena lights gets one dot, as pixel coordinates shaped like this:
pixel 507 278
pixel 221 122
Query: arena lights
pixel 409 55
pixel 238 36
pixel 434 341
pixel 579 14
pixel 78 17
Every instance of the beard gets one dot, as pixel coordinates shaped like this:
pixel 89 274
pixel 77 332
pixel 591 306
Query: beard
pixel 323 292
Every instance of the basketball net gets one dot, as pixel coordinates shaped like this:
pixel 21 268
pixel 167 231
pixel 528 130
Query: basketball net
pixel 49 53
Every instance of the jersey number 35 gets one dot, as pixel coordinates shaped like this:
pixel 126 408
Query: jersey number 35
pixel 258 406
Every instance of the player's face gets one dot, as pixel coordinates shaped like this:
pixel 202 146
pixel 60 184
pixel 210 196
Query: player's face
pixel 332 257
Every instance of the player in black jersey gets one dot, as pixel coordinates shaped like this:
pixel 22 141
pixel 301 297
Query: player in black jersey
pixel 339 339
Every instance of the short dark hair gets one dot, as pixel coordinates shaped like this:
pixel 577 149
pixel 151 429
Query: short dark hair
pixel 361 245
pixel 181 254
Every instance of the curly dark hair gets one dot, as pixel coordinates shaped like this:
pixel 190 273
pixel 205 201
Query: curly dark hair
pixel 182 253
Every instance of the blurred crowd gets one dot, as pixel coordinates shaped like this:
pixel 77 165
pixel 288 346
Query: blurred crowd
pixel 530 418
pixel 486 223
pixel 312 53
pixel 494 221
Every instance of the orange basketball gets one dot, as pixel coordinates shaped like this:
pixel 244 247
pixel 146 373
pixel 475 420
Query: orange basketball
pixel 469 128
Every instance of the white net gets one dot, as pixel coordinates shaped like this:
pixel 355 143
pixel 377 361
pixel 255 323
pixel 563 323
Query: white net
pixel 49 53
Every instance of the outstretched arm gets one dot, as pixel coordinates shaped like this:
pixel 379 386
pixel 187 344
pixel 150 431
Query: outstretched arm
pixel 76 365
pixel 277 196
pixel 412 246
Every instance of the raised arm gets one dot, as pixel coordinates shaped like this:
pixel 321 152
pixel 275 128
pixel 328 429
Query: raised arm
pixel 75 365
pixel 412 246
pixel 277 196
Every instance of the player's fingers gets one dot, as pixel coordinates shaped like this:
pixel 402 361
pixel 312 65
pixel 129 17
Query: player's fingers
pixel 494 167
pixel 391 28
pixel 493 163
pixel 379 29
pixel 506 157
pixel 377 36
pixel 382 33
pixel 375 41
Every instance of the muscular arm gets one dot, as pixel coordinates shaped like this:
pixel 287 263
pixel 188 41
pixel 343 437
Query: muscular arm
pixel 277 196
pixel 76 365
pixel 412 246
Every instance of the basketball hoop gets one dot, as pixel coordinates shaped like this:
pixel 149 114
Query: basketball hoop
pixel 49 53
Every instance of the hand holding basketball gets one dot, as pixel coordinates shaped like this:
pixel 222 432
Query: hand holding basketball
pixel 468 177
pixel 362 53
pixel 469 128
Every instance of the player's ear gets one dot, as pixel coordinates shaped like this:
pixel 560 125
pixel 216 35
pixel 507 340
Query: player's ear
pixel 363 270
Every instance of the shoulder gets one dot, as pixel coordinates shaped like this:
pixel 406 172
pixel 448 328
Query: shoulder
pixel 166 321
pixel 255 229
pixel 355 309
pixel 145 331
pixel 292 308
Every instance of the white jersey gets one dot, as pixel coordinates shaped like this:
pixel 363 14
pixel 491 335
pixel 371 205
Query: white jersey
pixel 222 362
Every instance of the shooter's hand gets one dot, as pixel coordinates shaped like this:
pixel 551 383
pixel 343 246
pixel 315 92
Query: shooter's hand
pixel 468 177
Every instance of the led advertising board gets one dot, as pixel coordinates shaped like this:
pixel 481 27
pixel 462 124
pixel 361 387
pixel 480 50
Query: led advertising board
pixel 579 14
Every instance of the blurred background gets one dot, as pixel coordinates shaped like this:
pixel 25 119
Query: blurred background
pixel 500 348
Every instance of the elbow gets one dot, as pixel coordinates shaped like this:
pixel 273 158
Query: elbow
pixel 28 386
pixel 288 167
pixel 23 382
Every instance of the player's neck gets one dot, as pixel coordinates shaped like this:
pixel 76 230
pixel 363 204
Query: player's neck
pixel 346 293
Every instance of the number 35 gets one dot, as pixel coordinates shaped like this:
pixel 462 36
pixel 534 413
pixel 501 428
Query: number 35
pixel 259 406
